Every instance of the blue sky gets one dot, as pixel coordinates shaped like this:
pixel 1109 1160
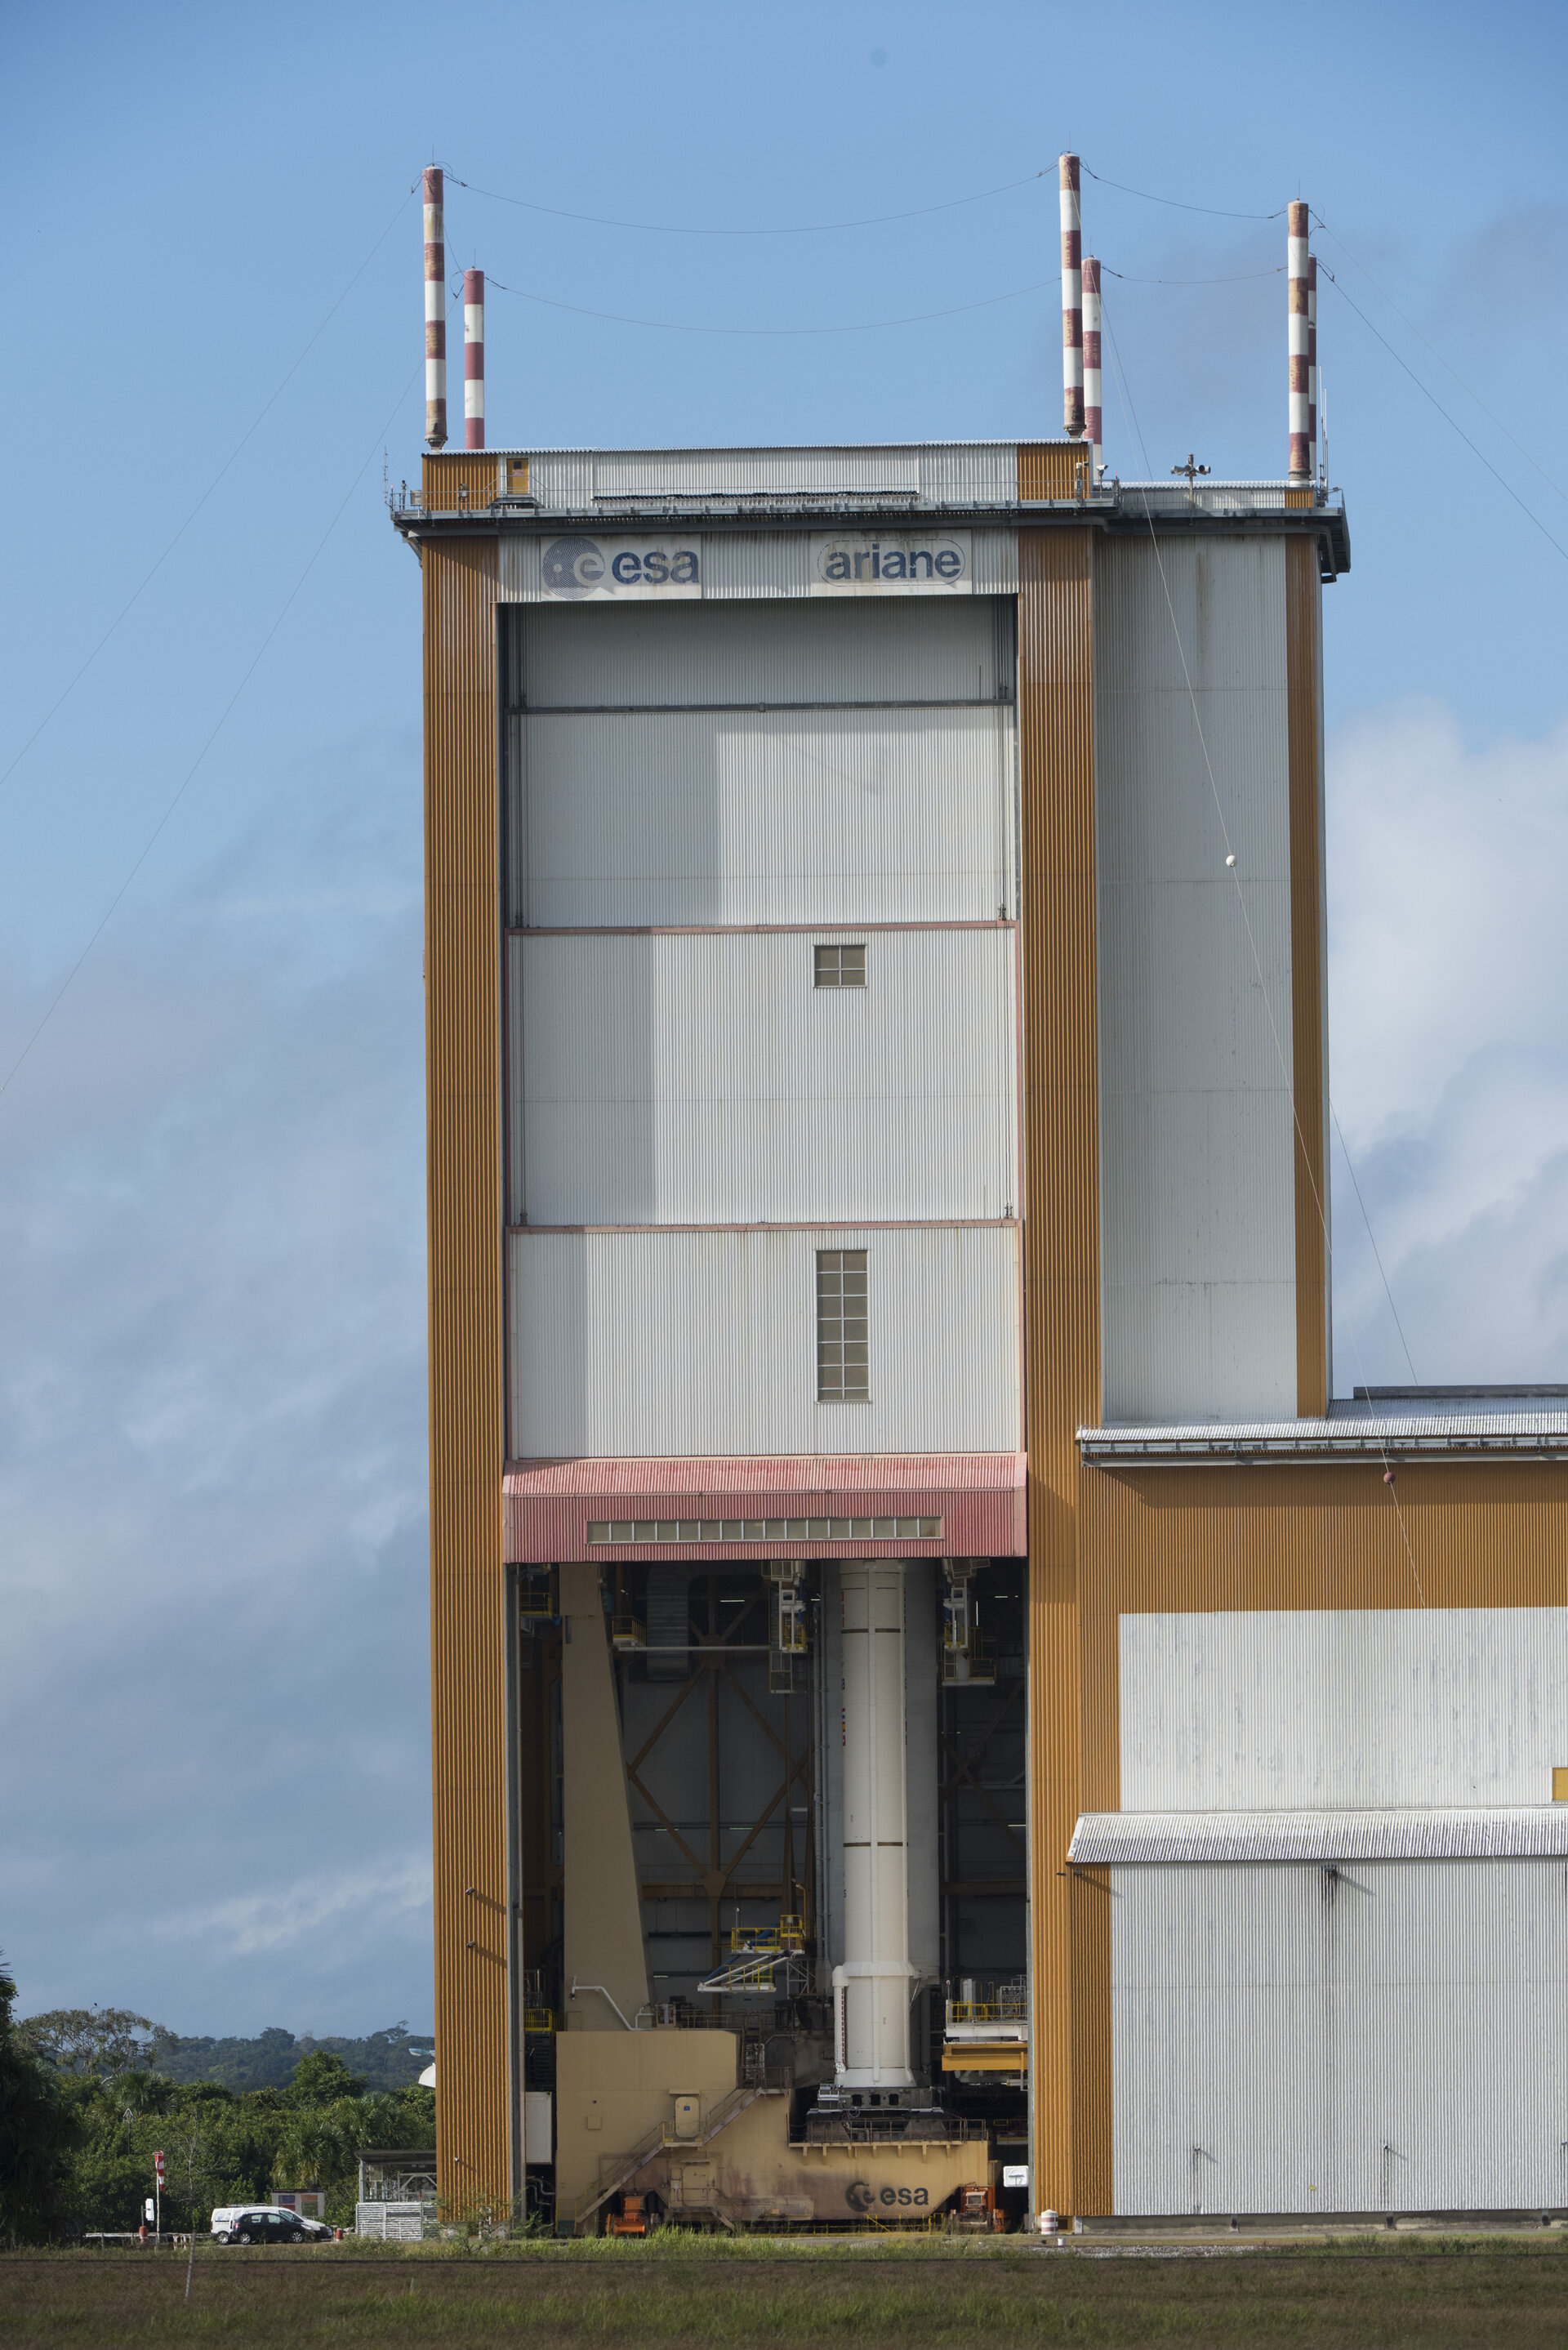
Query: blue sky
pixel 212 1722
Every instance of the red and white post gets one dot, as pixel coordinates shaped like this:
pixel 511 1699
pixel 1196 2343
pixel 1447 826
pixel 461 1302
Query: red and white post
pixel 1092 411
pixel 435 310
pixel 474 358
pixel 1072 295
pixel 1296 333
pixel 1311 363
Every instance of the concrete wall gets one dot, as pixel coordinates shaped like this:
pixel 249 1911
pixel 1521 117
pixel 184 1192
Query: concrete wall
pixel 602 1903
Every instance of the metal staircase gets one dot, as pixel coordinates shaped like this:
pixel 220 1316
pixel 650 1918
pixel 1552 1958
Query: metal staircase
pixel 619 2170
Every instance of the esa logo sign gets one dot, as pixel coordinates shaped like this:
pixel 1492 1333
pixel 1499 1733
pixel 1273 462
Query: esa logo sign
pixel 863 2198
pixel 582 569
pixel 892 563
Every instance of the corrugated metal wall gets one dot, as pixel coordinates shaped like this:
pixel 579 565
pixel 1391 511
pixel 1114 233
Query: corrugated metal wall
pixel 1204 1540
pixel 683 818
pixel 1069 1947
pixel 703 1079
pixel 1198 1196
pixel 756 563
pixel 706 1079
pixel 462 993
pixel 454 480
pixel 1343 1707
pixel 665 1342
pixel 1385 2036
pixel 562 478
pixel 728 807
pixel 985 472
pixel 756 473
pixel 828 651
pixel 1053 469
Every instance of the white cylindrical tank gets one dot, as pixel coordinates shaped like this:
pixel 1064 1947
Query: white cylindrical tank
pixel 871 1989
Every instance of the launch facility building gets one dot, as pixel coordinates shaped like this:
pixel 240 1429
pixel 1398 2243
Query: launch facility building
pixel 937 1710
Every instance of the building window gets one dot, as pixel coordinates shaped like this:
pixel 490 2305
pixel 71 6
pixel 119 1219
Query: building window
pixel 840 966
pixel 731 1531
pixel 843 1363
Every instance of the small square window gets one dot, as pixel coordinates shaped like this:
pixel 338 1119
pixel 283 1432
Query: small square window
pixel 840 966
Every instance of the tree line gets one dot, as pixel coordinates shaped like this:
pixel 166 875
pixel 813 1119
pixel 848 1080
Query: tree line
pixel 87 2096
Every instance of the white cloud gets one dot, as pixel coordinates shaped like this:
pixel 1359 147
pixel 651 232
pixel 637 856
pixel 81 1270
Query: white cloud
pixel 1449 969
pixel 337 1901
pixel 212 1441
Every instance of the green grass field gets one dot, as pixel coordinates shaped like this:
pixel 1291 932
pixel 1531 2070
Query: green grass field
pixel 1445 2293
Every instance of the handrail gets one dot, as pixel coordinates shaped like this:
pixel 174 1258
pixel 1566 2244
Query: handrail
pixel 615 2169
pixel 577 1986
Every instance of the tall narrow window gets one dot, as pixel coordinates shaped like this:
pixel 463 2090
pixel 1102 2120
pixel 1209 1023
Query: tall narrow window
pixel 843 1361
pixel 840 966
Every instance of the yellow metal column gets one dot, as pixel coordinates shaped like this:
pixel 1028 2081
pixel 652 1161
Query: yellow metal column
pixel 1069 1926
pixel 1309 1051
pixel 463 983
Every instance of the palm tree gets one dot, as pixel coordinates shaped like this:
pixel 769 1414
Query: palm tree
pixel 138 2092
pixel 312 2152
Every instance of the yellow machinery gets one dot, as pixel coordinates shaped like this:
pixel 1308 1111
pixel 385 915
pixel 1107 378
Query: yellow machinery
pixel 990 2033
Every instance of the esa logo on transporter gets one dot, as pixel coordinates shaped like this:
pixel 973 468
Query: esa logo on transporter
pixel 582 567
pixel 862 2197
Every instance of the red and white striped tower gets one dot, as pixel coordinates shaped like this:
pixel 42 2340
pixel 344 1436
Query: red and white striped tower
pixel 1072 296
pixel 1296 329
pixel 474 358
pixel 1092 415
pixel 1311 363
pixel 435 311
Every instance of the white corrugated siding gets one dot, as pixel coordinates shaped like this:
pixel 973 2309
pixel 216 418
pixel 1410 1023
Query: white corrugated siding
pixel 562 478
pixel 654 1343
pixel 1198 1228
pixel 1351 1431
pixel 707 1080
pixel 1287 1709
pixel 983 472
pixel 744 563
pixel 780 817
pixel 957 471
pixel 879 648
pixel 995 562
pixel 1522 1832
pixel 519 580
pixel 1389 2036
pixel 754 472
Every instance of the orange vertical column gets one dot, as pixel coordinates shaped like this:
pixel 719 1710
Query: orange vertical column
pixel 1309 1051
pixel 462 991
pixel 1069 1926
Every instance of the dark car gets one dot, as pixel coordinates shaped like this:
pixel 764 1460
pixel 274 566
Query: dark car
pixel 266 2223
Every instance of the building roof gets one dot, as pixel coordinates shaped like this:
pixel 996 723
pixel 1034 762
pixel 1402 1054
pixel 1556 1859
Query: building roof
pixel 884 483
pixel 1157 1839
pixel 1379 1424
